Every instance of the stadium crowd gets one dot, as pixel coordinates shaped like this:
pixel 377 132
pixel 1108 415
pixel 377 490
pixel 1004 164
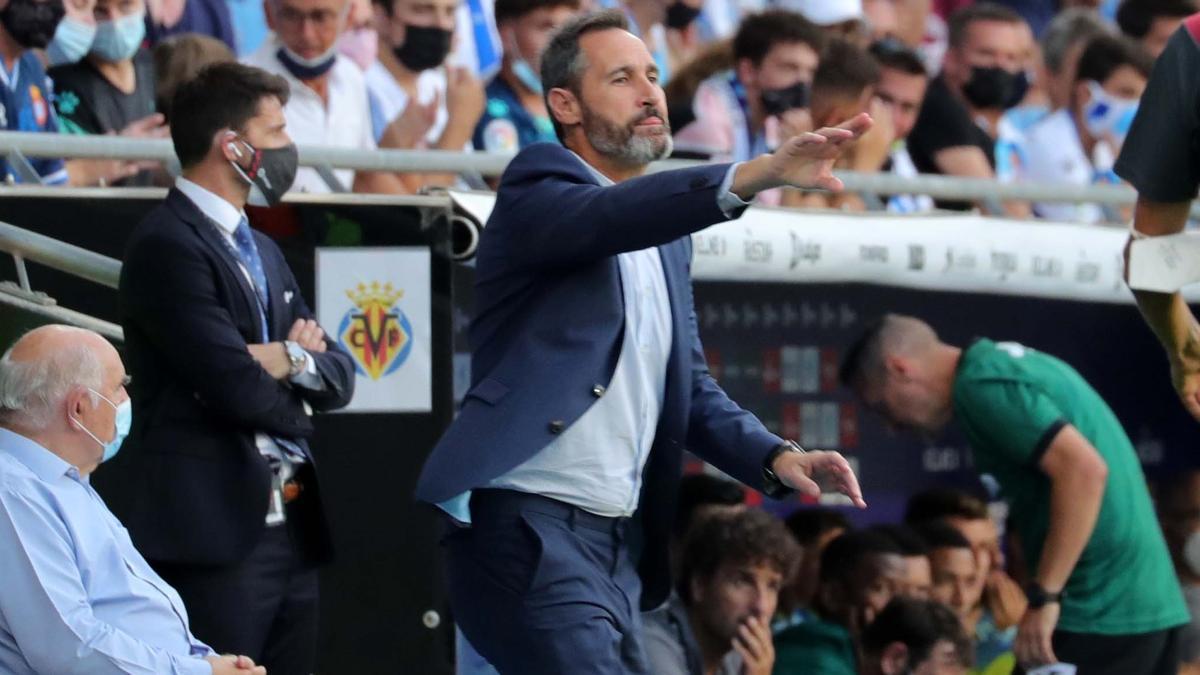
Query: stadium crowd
pixel 1015 90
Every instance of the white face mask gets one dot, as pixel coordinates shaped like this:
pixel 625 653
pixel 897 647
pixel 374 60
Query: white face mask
pixel 1191 552
pixel 1106 115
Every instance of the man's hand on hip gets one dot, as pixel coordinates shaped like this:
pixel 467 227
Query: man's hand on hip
pixel 273 357
pixel 805 160
pixel 801 471
pixel 234 665
pixel 1033 644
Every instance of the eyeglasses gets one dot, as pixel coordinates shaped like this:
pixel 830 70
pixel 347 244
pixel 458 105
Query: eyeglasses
pixel 321 18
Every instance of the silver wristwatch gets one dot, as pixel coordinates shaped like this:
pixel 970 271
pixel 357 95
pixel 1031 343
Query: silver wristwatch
pixel 297 358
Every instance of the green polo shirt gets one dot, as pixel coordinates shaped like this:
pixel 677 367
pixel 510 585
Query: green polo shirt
pixel 1011 401
pixel 815 646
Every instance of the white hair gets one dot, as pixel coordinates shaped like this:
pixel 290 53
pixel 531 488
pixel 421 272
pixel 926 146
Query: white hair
pixel 32 391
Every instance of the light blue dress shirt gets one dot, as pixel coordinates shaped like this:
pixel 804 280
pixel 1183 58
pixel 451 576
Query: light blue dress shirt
pixel 75 596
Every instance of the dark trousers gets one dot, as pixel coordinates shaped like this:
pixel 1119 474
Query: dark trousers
pixel 540 587
pixel 264 607
pixel 1154 653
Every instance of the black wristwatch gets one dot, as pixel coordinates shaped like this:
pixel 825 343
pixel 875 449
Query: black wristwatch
pixel 1039 597
pixel 772 486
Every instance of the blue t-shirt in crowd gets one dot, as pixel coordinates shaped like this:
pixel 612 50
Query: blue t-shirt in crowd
pixel 506 126
pixel 26 104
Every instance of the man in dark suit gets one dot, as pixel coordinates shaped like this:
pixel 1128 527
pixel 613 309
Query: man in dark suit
pixel 229 363
pixel 588 374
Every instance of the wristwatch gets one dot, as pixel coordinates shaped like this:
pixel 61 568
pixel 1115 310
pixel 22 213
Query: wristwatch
pixel 1039 597
pixel 772 486
pixel 297 358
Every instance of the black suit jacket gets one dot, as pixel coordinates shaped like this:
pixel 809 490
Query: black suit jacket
pixel 199 486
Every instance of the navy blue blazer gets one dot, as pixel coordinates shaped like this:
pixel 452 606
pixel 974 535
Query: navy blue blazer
pixel 196 485
pixel 548 325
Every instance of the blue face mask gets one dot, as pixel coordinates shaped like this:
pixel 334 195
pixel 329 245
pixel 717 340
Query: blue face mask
pixel 120 39
pixel 72 41
pixel 124 421
pixel 525 74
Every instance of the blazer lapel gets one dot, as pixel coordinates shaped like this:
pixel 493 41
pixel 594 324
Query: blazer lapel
pixel 211 236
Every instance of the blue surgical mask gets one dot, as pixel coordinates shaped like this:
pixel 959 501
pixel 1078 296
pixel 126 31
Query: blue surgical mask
pixel 525 74
pixel 1106 115
pixel 307 69
pixel 72 41
pixel 120 39
pixel 124 421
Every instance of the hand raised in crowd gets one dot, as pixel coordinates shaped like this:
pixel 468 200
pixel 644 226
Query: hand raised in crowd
pixel 1005 598
pixel 230 664
pixel 802 471
pixel 1033 646
pixel 465 98
pixel 308 334
pixel 411 126
pixel 753 642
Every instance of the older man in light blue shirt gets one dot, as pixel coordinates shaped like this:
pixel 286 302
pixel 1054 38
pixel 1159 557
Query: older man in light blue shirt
pixel 76 596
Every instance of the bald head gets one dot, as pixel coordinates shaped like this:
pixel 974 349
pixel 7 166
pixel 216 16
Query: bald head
pixel 45 366
pixel 893 335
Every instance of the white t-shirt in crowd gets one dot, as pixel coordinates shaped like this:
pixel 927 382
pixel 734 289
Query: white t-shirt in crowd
pixel 343 122
pixel 1053 153
pixel 392 99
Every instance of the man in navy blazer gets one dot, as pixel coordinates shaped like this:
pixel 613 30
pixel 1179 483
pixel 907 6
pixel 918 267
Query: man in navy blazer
pixel 589 378
pixel 227 365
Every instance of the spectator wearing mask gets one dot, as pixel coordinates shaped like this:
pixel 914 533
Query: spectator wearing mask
pixel 683 32
pixel 746 111
pixel 424 102
pixel 915 637
pixel 718 623
pixel 1179 513
pixel 73 37
pixel 860 574
pixel 516 116
pixel 918 573
pixel 78 598
pixel 1153 22
pixel 328 104
pixel 26 94
pixel 1079 143
pixel 901 89
pixel 813 529
pixel 845 82
pixel 982 75
pixel 165 18
pixel 111 91
pixel 1102 594
pixel 1062 43
pixel 360 41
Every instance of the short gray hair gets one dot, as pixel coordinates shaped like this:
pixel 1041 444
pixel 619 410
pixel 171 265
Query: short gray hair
pixel 562 60
pixel 31 391
pixel 1071 27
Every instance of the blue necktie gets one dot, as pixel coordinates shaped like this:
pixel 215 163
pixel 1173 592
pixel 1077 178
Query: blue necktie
pixel 248 253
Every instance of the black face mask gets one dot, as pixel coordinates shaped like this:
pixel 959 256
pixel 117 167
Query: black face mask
pixel 991 87
pixel 424 47
pixel 30 23
pixel 681 15
pixel 779 101
pixel 271 170
pixel 1020 89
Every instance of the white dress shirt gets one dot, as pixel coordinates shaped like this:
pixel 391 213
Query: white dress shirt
pixel 225 218
pixel 343 122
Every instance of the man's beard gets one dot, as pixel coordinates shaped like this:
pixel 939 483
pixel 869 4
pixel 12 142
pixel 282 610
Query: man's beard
pixel 623 144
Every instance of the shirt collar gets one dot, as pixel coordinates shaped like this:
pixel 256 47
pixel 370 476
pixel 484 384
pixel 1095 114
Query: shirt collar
pixel 604 181
pixel 44 464
pixel 216 208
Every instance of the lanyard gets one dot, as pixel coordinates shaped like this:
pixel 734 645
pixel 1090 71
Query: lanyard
pixel 756 144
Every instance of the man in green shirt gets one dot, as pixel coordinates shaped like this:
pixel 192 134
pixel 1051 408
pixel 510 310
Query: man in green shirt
pixel 860 573
pixel 1104 596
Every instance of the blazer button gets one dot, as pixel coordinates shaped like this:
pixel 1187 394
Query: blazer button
pixel 598 390
pixel 557 426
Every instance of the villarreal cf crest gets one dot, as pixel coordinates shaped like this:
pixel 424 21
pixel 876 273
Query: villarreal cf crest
pixel 375 331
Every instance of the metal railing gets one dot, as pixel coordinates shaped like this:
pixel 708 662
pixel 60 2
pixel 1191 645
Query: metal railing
pixel 17 146
pixel 24 245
